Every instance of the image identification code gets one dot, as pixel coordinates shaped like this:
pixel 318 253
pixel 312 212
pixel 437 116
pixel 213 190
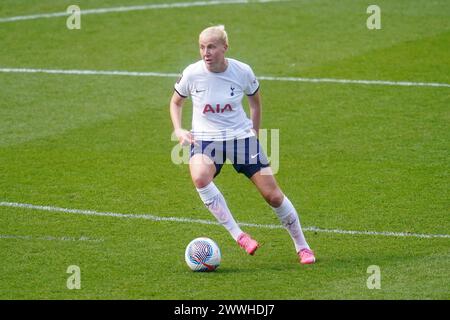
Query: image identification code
pixel 226 309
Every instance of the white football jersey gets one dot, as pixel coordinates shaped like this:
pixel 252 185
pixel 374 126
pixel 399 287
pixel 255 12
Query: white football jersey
pixel 218 113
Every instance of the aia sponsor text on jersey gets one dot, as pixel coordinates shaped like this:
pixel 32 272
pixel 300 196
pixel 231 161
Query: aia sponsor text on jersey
pixel 217 109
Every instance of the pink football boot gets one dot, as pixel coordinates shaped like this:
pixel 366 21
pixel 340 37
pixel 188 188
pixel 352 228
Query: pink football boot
pixel 306 256
pixel 247 243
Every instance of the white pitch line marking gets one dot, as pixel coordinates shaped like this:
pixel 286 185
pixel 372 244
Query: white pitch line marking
pixel 349 81
pixel 48 238
pixel 267 78
pixel 135 8
pixel 209 222
pixel 91 72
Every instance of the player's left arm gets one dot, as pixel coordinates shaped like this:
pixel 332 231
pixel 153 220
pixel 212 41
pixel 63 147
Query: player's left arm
pixel 254 102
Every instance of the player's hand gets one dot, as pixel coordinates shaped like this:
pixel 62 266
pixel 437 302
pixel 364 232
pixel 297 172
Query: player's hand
pixel 255 132
pixel 184 137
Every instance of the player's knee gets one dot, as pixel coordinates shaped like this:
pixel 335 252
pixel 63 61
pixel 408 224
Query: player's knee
pixel 201 181
pixel 275 199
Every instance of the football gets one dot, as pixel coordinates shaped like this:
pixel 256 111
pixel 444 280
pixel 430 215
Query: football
pixel 202 254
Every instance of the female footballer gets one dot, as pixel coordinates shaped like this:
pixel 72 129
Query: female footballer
pixel 222 130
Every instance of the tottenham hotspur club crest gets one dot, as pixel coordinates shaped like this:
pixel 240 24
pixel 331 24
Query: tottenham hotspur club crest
pixel 232 91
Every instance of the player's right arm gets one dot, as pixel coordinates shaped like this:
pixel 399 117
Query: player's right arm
pixel 176 105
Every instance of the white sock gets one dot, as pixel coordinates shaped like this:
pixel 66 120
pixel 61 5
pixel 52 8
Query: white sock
pixel 289 218
pixel 215 202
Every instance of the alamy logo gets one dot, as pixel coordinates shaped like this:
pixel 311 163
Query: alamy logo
pixel 374 280
pixel 374 20
pixel 74 20
pixel 74 280
pixel 181 154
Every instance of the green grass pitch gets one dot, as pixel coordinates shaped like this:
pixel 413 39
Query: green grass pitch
pixel 353 157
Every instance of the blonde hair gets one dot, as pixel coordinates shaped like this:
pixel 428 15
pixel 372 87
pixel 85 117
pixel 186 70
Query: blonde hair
pixel 217 31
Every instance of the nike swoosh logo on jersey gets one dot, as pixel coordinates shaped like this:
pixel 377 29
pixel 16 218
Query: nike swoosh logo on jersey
pixel 254 156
